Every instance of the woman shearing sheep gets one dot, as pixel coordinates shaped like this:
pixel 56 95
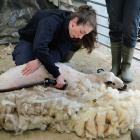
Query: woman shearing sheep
pixel 53 35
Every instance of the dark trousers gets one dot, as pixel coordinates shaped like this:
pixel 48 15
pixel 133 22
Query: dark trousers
pixel 124 21
pixel 23 52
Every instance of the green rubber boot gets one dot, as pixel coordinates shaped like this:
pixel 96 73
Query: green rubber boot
pixel 127 54
pixel 116 51
pixel 68 55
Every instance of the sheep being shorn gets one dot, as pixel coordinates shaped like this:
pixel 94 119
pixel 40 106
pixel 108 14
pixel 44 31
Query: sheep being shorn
pixel 87 108
pixel 13 77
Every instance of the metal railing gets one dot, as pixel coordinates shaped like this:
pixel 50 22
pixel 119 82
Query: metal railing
pixel 100 42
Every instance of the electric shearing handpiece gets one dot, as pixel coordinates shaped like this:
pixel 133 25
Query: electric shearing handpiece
pixel 47 82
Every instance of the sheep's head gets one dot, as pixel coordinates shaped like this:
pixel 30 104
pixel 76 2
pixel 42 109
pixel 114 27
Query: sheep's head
pixel 110 79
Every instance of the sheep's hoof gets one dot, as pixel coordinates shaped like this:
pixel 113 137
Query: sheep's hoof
pixel 123 88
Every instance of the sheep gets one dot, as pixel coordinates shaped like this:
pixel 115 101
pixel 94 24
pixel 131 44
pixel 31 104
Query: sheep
pixel 13 77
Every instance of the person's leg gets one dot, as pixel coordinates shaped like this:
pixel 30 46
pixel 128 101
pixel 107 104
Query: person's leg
pixel 115 11
pixel 23 52
pixel 130 31
pixel 58 58
pixel 116 51
pixel 70 53
pixel 67 57
pixel 127 54
pixel 61 56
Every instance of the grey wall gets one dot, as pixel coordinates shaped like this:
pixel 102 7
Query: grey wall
pixel 15 14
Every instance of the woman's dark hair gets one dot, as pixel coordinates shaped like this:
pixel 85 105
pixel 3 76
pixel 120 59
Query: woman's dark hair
pixel 86 14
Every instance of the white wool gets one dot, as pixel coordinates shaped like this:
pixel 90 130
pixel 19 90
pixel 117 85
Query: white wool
pixel 11 122
pixel 104 113
pixel 113 94
pixel 6 102
pixel 100 120
pixel 135 103
pixel 87 107
pixel 137 94
pixel 86 83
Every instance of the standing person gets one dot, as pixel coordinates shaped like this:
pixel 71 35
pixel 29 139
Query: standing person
pixel 53 35
pixel 124 21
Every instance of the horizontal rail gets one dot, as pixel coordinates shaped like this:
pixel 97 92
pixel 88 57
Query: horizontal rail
pixel 136 58
pixel 108 46
pixel 102 25
pixel 102 34
pixel 137 48
pixel 102 16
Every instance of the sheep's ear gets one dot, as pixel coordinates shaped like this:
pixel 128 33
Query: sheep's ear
pixel 100 70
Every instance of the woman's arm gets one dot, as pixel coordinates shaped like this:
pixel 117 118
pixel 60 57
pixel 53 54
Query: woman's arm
pixel 31 67
pixel 44 35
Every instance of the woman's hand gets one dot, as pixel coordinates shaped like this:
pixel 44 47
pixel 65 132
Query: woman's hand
pixel 31 67
pixel 60 82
